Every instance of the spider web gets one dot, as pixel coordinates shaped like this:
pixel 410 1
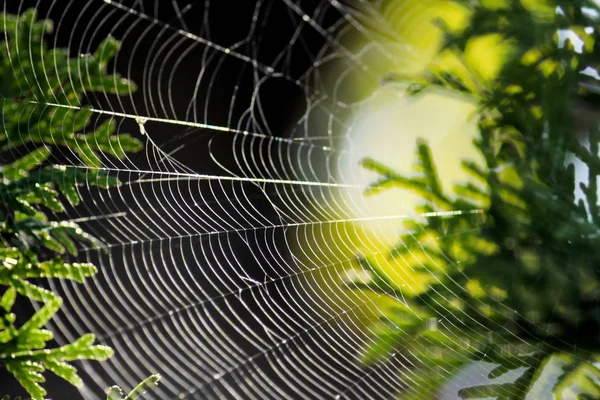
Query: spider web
pixel 226 248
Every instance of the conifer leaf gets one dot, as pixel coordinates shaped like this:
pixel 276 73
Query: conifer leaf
pixel 42 316
pixel 63 370
pixel 29 376
pixel 21 167
pixel 8 299
pixel 143 387
pixel 114 393
pixel 106 50
pixel 31 291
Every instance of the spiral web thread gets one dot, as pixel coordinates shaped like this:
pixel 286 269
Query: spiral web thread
pixel 215 270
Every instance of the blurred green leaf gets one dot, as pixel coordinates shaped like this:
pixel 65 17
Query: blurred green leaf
pixel 511 255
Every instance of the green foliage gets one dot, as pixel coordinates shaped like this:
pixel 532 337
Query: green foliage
pixel 116 393
pixel 42 91
pixel 511 256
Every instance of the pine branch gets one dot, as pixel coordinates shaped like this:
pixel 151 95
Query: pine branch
pixel 522 272
pixel 30 187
